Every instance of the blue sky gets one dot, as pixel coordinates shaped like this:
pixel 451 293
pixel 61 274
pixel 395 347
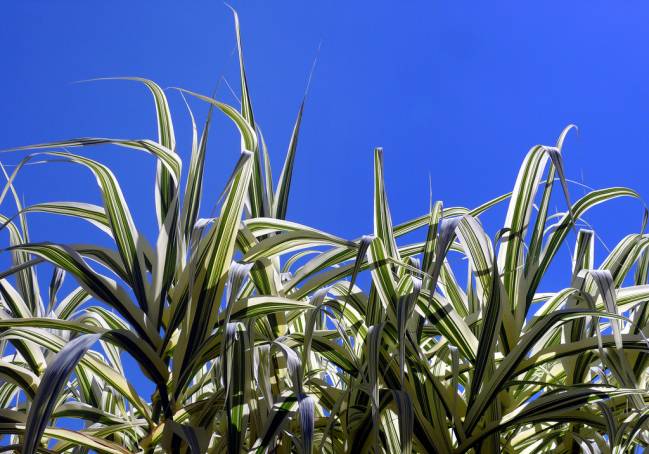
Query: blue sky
pixel 451 89
pixel 456 90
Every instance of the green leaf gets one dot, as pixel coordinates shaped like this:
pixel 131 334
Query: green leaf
pixel 50 387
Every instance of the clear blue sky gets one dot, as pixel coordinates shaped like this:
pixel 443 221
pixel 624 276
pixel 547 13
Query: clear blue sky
pixel 452 89
pixel 457 90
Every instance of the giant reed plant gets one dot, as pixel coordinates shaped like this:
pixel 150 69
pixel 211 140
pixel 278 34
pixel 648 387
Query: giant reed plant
pixel 257 337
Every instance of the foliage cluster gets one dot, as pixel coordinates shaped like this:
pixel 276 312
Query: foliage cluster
pixel 258 336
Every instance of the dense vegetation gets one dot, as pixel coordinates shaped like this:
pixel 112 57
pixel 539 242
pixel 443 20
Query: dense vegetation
pixel 262 335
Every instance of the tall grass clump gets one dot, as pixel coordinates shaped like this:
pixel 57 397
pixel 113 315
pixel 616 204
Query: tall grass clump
pixel 259 334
